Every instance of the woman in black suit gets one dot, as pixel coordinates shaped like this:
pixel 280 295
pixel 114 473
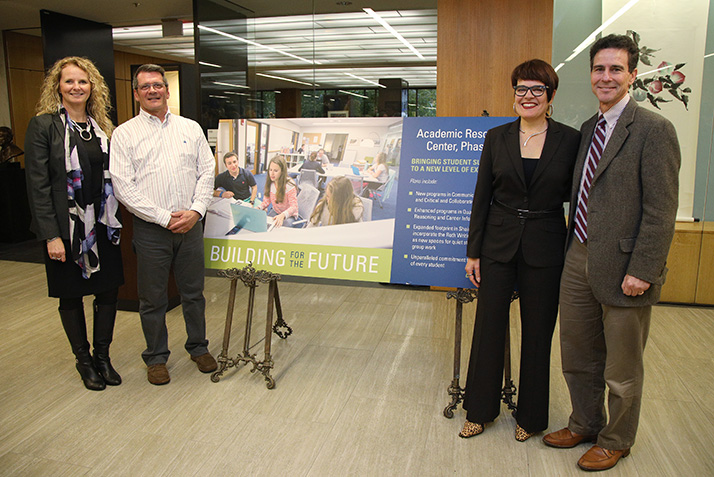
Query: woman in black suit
pixel 74 211
pixel 516 241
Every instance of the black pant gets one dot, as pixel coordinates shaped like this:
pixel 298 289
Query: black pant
pixel 538 290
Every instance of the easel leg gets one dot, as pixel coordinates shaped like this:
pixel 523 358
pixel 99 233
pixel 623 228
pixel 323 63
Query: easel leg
pixel 267 363
pixel 454 389
pixel 248 322
pixel 223 359
pixel 280 328
pixel 509 389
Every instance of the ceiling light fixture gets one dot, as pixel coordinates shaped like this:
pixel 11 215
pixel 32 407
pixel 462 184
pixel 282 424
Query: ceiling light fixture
pixel 365 79
pixel 237 38
pixel 286 79
pixel 233 85
pixel 209 64
pixel 353 94
pixel 394 32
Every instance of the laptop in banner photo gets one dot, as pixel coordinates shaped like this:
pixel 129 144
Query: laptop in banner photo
pixel 248 218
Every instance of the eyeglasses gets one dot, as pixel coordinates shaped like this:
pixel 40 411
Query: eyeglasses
pixel 148 86
pixel 536 91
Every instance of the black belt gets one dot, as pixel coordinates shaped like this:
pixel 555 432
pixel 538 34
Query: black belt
pixel 529 214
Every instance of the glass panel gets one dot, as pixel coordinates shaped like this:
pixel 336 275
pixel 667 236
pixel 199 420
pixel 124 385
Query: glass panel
pixel 248 57
pixel 426 102
pixel 412 103
pixel 703 178
pixel 676 42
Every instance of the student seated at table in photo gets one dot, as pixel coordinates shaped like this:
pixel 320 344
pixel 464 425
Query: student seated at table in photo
pixel 340 205
pixel 379 170
pixel 312 164
pixel 280 193
pixel 322 157
pixel 236 182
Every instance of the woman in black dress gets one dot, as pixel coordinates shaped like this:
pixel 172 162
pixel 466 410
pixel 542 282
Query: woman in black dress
pixel 517 241
pixel 74 211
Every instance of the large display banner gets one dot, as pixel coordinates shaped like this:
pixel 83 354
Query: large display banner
pixel 415 223
pixel 440 161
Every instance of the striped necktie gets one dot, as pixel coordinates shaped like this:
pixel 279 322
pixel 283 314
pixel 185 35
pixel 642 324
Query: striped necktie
pixel 594 155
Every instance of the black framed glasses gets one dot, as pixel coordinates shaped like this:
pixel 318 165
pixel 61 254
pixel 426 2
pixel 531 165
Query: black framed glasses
pixel 537 90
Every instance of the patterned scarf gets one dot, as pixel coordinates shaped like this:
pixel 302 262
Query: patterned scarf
pixel 82 222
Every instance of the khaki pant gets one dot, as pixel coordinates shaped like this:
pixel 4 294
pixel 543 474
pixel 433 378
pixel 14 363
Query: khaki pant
pixel 601 344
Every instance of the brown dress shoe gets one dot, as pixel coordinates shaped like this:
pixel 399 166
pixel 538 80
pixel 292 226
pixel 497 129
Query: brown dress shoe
pixel 565 439
pixel 599 458
pixel 158 374
pixel 205 363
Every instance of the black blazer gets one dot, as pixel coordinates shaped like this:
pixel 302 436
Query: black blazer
pixel 494 232
pixel 46 176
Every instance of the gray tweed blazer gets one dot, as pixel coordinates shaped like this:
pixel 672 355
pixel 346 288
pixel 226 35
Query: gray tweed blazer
pixel 632 205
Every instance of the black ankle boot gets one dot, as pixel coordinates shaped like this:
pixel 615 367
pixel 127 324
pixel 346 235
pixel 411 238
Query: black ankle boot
pixel 104 317
pixel 76 329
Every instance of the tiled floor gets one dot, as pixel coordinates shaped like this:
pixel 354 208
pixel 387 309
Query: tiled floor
pixel 360 390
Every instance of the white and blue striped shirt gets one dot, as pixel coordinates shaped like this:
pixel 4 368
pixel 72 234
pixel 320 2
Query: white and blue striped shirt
pixel 161 167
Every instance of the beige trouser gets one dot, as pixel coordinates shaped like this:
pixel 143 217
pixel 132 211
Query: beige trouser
pixel 600 344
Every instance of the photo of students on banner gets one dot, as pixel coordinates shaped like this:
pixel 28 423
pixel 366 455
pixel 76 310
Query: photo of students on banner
pixel 326 198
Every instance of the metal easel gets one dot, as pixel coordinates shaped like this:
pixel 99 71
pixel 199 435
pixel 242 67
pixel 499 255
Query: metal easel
pixel 251 279
pixel 463 295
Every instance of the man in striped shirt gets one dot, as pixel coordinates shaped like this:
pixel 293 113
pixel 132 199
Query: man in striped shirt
pixel 162 171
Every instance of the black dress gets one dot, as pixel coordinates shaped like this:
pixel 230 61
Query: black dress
pixel 64 279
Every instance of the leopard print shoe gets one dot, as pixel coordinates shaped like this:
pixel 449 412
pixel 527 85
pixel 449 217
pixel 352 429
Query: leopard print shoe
pixel 522 435
pixel 470 429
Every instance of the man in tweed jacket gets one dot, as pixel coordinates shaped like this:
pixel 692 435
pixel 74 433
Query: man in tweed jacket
pixel 615 259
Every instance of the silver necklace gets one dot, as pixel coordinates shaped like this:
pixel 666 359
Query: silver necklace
pixel 532 135
pixel 82 131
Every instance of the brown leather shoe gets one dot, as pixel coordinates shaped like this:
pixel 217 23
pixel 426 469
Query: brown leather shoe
pixel 565 439
pixel 158 374
pixel 599 458
pixel 205 362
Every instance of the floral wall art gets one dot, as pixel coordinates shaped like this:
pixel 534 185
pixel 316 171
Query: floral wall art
pixel 666 83
pixel 671 37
